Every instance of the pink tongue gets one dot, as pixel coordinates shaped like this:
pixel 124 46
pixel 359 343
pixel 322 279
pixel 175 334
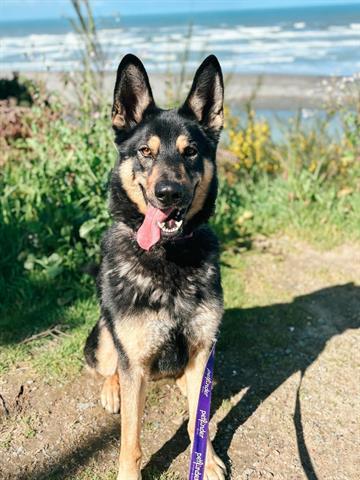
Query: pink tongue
pixel 149 233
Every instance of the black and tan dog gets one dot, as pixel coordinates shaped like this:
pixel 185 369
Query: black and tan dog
pixel 159 282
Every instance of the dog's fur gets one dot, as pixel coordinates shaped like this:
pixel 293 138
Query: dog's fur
pixel 160 309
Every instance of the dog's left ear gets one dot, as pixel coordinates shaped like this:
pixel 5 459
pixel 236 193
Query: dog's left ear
pixel 132 94
pixel 206 98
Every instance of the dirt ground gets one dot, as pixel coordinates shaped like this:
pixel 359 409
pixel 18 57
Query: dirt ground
pixel 286 400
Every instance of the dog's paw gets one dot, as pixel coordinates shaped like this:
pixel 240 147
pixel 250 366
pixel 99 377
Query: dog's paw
pixel 215 468
pixel 110 395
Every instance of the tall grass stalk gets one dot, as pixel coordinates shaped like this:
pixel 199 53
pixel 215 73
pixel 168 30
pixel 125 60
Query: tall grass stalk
pixel 88 84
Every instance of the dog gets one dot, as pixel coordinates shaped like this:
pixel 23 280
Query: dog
pixel 159 282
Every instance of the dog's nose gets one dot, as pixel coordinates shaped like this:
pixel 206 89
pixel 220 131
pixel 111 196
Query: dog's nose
pixel 168 193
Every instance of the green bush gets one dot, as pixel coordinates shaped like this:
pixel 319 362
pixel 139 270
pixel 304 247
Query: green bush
pixel 53 204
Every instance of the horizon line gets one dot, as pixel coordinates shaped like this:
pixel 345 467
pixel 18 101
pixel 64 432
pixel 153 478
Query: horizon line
pixel 195 12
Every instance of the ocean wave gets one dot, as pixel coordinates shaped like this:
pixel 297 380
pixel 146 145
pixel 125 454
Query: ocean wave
pixel 253 47
pixel 297 47
pixel 299 25
pixel 126 36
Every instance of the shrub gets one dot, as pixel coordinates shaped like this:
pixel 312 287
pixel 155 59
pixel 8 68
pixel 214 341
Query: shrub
pixel 53 202
pixel 251 142
pixel 313 146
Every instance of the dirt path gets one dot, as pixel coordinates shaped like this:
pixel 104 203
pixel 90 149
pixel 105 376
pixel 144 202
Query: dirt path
pixel 286 403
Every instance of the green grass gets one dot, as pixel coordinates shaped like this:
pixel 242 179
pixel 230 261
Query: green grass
pixel 300 207
pixel 57 354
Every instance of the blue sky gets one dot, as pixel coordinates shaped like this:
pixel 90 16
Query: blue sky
pixel 38 9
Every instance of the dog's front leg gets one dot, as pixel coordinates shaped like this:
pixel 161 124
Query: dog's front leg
pixel 214 467
pixel 132 385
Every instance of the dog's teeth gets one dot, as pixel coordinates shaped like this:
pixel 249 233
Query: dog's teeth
pixel 166 229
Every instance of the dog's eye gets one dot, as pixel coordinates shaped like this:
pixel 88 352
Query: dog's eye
pixel 145 151
pixel 190 151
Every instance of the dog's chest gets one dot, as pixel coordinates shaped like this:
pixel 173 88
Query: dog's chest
pixel 163 313
pixel 163 342
pixel 131 286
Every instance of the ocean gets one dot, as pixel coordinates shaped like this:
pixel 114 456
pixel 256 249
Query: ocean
pixel 299 41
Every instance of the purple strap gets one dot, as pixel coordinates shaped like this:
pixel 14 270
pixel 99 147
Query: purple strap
pixel 198 454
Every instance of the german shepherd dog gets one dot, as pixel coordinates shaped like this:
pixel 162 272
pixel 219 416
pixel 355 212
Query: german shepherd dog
pixel 159 281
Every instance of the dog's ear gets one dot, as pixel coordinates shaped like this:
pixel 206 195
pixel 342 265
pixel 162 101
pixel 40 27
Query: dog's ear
pixel 206 97
pixel 132 94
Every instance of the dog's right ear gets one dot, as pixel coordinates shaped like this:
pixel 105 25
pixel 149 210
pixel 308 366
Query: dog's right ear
pixel 206 97
pixel 132 94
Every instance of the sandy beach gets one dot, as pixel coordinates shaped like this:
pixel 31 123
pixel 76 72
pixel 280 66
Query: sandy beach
pixel 274 92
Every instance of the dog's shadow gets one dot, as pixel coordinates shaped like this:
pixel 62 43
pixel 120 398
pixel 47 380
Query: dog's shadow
pixel 259 349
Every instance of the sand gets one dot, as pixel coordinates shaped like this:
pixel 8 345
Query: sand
pixel 274 92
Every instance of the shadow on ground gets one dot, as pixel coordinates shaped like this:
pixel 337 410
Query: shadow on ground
pixel 265 345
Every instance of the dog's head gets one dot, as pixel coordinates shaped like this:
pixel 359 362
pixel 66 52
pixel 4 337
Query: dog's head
pixel 164 184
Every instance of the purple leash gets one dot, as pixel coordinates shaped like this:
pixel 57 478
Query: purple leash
pixel 198 454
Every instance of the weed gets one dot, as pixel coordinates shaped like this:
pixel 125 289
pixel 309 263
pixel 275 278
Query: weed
pixel 152 398
pixel 29 429
pixel 88 84
pixel 176 83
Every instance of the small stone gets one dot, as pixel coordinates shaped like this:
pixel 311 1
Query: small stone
pixel 85 405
